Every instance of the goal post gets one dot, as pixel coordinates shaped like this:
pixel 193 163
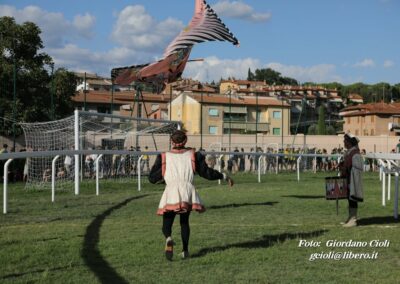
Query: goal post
pixel 88 131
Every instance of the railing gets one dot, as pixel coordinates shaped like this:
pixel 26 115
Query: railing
pixel 389 167
pixel 248 126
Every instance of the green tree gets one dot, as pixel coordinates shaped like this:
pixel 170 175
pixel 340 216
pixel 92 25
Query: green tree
pixel 321 121
pixel 312 130
pixel 250 75
pixel 330 130
pixel 20 48
pixel 273 77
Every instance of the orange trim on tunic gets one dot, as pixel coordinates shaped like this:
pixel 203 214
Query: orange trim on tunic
pixel 180 151
pixel 182 207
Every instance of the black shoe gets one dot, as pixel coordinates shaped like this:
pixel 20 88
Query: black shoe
pixel 185 255
pixel 169 248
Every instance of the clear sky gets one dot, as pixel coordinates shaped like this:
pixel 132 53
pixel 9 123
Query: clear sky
pixel 310 40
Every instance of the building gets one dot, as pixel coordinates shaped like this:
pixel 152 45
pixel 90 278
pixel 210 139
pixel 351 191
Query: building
pixel 189 85
pixel 222 114
pixel 243 87
pixel 371 119
pixel 304 100
pixel 93 82
pixel 123 103
pixel 355 99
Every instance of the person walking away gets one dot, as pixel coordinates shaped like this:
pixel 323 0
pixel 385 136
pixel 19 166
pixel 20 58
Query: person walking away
pixel 145 161
pixel 177 168
pixel 351 168
pixel 242 161
pixel 251 160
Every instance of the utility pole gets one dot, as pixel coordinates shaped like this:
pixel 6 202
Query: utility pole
pixel 14 93
pixel 84 92
pixel 256 120
pixel 230 118
pixel 52 92
pixel 201 118
pixel 282 121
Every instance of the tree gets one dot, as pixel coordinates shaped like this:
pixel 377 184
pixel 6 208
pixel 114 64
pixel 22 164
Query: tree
pixel 321 121
pixel 330 130
pixel 273 77
pixel 64 87
pixel 312 130
pixel 20 46
pixel 250 75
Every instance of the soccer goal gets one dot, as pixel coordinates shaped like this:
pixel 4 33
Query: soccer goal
pixel 90 131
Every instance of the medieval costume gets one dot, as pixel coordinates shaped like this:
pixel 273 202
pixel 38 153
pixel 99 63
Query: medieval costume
pixel 177 168
pixel 351 168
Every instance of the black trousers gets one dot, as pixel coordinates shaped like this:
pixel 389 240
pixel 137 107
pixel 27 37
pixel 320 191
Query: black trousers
pixel 168 221
pixel 353 204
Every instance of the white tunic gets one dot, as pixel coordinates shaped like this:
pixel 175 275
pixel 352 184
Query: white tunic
pixel 180 194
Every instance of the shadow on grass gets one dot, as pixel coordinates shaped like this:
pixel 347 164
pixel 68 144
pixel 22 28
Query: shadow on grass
pixel 377 221
pixel 15 275
pixel 306 196
pixel 234 205
pixel 265 241
pixel 90 252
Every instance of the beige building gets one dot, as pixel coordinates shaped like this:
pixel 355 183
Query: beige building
pixel 243 86
pixel 221 114
pixel 355 98
pixel 371 119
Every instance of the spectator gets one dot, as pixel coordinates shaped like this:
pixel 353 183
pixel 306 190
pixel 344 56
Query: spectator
pixel 351 168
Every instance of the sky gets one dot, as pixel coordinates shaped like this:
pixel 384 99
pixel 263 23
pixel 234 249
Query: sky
pixel 322 41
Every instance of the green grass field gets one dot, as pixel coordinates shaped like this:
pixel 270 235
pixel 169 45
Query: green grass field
pixel 249 234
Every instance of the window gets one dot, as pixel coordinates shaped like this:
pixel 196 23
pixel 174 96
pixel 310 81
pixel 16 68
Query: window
pixel 349 120
pixel 277 115
pixel 259 116
pixel 372 132
pixel 213 129
pixel 358 119
pixel 372 118
pixel 363 119
pixel 213 112
pixel 155 107
pixel 276 131
pixel 103 109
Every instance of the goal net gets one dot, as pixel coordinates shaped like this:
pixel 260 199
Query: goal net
pixel 93 131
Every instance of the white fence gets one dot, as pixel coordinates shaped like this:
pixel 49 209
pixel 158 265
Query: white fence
pixel 388 164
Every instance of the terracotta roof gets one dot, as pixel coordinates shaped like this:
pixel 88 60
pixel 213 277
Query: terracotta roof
pixel 252 91
pixel 96 98
pixel 245 100
pixel 372 108
pixel 119 97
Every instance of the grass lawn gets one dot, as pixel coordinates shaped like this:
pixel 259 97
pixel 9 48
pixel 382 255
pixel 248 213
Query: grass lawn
pixel 249 234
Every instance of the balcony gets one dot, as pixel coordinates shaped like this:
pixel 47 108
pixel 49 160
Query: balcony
pixel 247 126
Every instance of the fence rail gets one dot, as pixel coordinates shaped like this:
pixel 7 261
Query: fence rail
pixel 388 166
